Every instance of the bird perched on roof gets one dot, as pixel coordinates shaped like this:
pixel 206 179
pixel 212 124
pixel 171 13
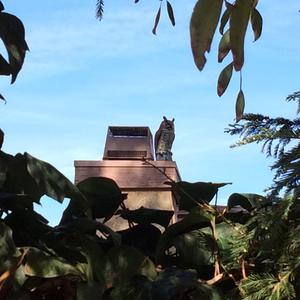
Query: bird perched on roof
pixel 164 138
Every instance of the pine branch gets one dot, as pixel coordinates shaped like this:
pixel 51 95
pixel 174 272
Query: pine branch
pixel 99 9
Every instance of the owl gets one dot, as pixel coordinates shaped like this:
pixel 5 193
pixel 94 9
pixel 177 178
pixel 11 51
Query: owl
pixel 164 138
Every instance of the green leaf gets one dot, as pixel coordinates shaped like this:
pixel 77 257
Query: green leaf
pixel 172 283
pixel 190 194
pixel 238 25
pixel 195 249
pixel 203 25
pixel 157 18
pixel 196 219
pixel 225 17
pixel 257 23
pixel 145 216
pixel 170 13
pixel 12 33
pixel 8 249
pixel 247 201
pixel 224 79
pixel 126 262
pixel 40 264
pixel 103 194
pixel 224 46
pixel 239 106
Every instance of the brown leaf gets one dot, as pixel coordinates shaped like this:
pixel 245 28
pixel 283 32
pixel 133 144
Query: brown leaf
pixel 238 25
pixel 224 46
pixel 203 25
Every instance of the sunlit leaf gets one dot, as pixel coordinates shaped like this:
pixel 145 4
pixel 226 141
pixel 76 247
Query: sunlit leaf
pixel 224 46
pixel 157 18
pixel 203 25
pixel 40 264
pixel 239 106
pixel 257 23
pixel 238 25
pixel 224 79
pixel 170 13
pixel 247 201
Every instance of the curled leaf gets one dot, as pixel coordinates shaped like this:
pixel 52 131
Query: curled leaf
pixel 238 25
pixel 203 25
pixel 156 21
pixel 257 23
pixel 224 79
pixel 239 106
pixel 224 46
pixel 170 13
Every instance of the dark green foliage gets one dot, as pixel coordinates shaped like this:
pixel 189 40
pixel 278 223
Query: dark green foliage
pixel 280 139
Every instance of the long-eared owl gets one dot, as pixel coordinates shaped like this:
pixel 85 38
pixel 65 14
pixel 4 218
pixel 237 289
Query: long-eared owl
pixel 164 138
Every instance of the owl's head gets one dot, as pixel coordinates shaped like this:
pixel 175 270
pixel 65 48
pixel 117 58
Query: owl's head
pixel 168 123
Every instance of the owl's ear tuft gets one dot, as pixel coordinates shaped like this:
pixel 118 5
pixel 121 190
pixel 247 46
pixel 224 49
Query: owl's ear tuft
pixel 165 118
pixel 173 119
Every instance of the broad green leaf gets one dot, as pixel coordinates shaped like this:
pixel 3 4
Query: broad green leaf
pixel 126 262
pixel 49 180
pixel 135 288
pixel 172 283
pixel 135 237
pixel 157 18
pixel 28 227
pixel 145 216
pixel 12 33
pixel 103 195
pixel 203 25
pixel 238 25
pixel 8 249
pixel 41 264
pixel 224 46
pixel 11 201
pixel 257 23
pixel 224 79
pixel 195 249
pixel 190 194
pixel 86 225
pixel 170 13
pixel 196 219
pixel 239 106
pixel 247 201
pixel 225 17
pixel 5 160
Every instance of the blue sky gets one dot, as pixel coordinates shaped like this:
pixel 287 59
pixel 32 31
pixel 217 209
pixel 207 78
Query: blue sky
pixel 82 75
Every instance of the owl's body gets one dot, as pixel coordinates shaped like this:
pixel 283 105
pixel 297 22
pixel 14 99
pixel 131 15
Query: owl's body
pixel 164 138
